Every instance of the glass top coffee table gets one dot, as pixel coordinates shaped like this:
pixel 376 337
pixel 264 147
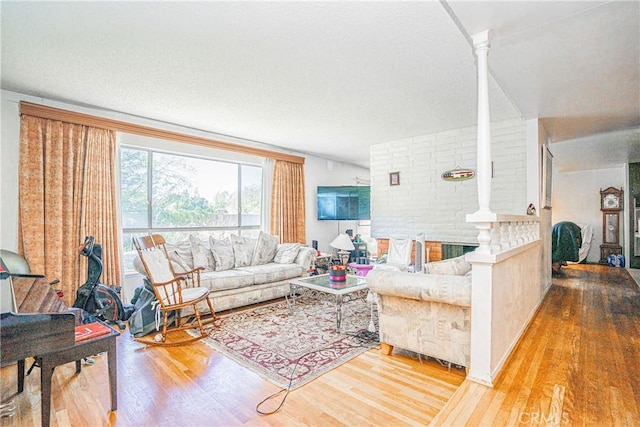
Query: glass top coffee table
pixel 320 287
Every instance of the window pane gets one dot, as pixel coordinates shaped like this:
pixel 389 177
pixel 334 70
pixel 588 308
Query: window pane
pixel 133 188
pixel 204 235
pixel 222 187
pixel 128 251
pixel 251 177
pixel 192 192
pixel 175 236
pixel 182 195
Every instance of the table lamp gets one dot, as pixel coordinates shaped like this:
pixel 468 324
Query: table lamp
pixel 344 245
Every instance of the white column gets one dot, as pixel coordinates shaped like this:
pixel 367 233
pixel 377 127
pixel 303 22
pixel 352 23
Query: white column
pixel 481 45
pixel 480 369
pixel 482 279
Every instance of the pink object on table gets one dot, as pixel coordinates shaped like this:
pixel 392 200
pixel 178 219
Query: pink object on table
pixel 363 269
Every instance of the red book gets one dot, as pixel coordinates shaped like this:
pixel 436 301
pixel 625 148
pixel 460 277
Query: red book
pixel 90 330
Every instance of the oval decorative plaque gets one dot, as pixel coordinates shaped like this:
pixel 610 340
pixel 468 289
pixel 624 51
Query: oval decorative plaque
pixel 458 174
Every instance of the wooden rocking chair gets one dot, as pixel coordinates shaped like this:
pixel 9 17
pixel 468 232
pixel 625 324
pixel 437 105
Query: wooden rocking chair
pixel 173 291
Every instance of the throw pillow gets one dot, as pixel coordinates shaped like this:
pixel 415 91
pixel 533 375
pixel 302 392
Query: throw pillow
pixel 178 263
pixel 243 250
pixel 286 253
pixel 183 250
pixel 202 256
pixel 265 250
pixel 457 266
pixel 138 266
pixel 222 251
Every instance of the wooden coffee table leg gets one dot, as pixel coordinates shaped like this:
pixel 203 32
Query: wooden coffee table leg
pixel 385 348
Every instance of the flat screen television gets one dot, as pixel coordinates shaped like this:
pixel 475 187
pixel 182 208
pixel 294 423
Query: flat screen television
pixel 344 203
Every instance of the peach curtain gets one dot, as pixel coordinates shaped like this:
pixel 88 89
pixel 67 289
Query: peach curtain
pixel 67 191
pixel 287 202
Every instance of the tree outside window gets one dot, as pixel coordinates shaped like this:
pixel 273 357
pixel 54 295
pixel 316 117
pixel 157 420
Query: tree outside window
pixel 177 195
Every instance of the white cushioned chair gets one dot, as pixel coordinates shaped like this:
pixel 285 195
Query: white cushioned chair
pixel 398 256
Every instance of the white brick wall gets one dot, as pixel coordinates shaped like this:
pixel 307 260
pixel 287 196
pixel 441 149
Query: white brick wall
pixel 424 203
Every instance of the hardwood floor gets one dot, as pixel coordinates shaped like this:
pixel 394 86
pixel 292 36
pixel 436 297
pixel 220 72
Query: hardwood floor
pixel 195 386
pixel 577 364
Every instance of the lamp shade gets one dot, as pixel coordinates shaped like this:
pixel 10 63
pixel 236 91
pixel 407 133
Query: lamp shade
pixel 342 242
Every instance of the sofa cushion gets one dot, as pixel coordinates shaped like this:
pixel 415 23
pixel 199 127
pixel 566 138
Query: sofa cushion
pixel 286 253
pixel 273 272
pixel 222 251
pixel 227 279
pixel 138 266
pixel 457 266
pixel 179 265
pixel 181 251
pixel 243 248
pixel 305 257
pixel 202 256
pixel 265 249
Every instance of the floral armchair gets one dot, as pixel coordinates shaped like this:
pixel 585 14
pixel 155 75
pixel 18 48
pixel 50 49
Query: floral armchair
pixel 426 313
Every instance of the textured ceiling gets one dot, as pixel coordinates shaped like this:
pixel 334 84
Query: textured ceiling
pixel 583 57
pixel 575 65
pixel 330 78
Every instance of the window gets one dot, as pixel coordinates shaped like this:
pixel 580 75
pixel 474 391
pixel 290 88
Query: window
pixel 176 195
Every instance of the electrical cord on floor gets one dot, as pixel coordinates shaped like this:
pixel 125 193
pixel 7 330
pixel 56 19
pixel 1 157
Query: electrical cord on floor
pixel 365 339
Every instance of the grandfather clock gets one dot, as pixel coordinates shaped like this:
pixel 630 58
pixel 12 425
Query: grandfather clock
pixel 610 205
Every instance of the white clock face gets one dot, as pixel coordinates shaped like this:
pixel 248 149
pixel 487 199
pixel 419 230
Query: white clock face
pixel 611 201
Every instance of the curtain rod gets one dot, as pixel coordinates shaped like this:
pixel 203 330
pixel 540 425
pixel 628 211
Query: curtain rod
pixel 53 113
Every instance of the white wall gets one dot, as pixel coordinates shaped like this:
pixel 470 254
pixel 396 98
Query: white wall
pixel 537 138
pixel 424 203
pixel 576 198
pixel 321 172
pixel 9 150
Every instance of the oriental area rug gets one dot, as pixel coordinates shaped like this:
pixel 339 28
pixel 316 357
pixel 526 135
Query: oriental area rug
pixel 292 349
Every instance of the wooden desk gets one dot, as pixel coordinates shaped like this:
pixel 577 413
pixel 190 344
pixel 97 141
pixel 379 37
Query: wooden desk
pixel 48 362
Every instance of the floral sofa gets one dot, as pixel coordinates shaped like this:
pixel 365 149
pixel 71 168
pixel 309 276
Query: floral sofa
pixel 238 270
pixel 426 313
